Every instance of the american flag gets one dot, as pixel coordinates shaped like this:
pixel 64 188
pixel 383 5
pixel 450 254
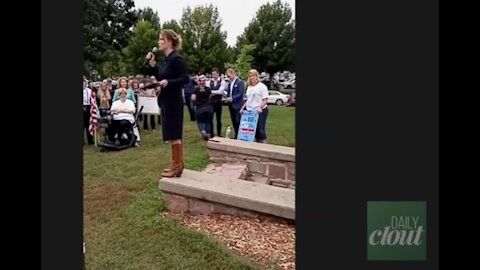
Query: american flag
pixel 93 127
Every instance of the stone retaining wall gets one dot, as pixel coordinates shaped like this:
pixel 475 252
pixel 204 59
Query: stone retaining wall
pixel 181 204
pixel 273 162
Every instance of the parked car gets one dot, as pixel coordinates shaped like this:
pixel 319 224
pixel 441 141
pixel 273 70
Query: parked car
pixel 266 80
pixel 290 84
pixel 291 100
pixel 276 97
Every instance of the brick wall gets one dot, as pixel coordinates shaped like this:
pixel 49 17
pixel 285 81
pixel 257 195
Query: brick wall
pixel 180 204
pixel 278 172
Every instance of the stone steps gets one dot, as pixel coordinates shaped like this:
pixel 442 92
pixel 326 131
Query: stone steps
pixel 234 171
pixel 231 192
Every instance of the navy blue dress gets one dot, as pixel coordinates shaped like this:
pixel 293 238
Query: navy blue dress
pixel 170 100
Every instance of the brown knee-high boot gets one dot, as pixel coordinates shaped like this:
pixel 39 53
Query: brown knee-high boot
pixel 177 163
pixel 172 163
pixel 169 168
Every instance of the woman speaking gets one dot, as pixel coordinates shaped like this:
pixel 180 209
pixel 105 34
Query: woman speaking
pixel 171 75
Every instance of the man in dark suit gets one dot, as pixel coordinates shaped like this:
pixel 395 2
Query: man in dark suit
pixel 235 91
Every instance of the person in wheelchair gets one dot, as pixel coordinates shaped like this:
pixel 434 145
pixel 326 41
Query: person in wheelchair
pixel 123 118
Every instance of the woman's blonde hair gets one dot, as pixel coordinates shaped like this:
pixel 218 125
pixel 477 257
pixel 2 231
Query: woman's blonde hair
pixel 122 91
pixel 120 81
pixel 171 35
pixel 255 73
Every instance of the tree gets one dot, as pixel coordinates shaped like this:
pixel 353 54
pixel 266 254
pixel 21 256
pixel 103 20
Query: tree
pixel 204 44
pixel 151 16
pixel 230 55
pixel 106 30
pixel 172 24
pixel 113 66
pixel 274 34
pixel 244 61
pixel 142 40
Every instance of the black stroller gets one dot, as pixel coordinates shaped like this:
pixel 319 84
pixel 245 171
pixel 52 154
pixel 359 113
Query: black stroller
pixel 116 141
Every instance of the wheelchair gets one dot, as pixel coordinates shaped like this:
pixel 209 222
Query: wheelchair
pixel 119 134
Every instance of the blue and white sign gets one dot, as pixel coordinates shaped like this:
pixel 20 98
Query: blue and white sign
pixel 248 126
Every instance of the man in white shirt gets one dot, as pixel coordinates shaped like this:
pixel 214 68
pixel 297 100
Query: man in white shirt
pixel 87 93
pixel 217 86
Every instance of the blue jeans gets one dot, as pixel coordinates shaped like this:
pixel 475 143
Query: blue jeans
pixel 261 134
pixel 204 119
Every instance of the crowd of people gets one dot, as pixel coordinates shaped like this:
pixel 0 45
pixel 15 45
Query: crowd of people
pixel 174 89
pixel 109 95
pixel 206 101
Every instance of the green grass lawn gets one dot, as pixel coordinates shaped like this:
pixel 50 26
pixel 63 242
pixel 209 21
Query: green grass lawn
pixel 123 228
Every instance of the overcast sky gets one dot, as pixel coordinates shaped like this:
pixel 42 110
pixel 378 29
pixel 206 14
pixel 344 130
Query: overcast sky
pixel 235 15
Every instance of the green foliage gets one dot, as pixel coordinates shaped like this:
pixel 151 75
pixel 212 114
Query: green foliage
pixel 172 24
pixel 106 30
pixel 244 61
pixel 142 40
pixel 151 16
pixel 204 45
pixel 273 31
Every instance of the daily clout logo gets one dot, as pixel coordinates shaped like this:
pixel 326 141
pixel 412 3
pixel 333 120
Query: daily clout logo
pixel 396 231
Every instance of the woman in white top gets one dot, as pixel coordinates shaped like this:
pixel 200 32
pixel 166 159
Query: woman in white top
pixel 257 97
pixel 123 83
pixel 123 110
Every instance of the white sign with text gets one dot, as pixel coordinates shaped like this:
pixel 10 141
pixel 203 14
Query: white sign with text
pixel 149 104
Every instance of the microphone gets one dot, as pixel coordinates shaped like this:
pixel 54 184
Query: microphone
pixel 154 50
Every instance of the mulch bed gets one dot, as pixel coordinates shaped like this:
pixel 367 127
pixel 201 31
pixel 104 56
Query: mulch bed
pixel 263 240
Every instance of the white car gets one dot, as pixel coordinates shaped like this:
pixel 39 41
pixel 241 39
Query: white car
pixel 290 84
pixel 275 97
